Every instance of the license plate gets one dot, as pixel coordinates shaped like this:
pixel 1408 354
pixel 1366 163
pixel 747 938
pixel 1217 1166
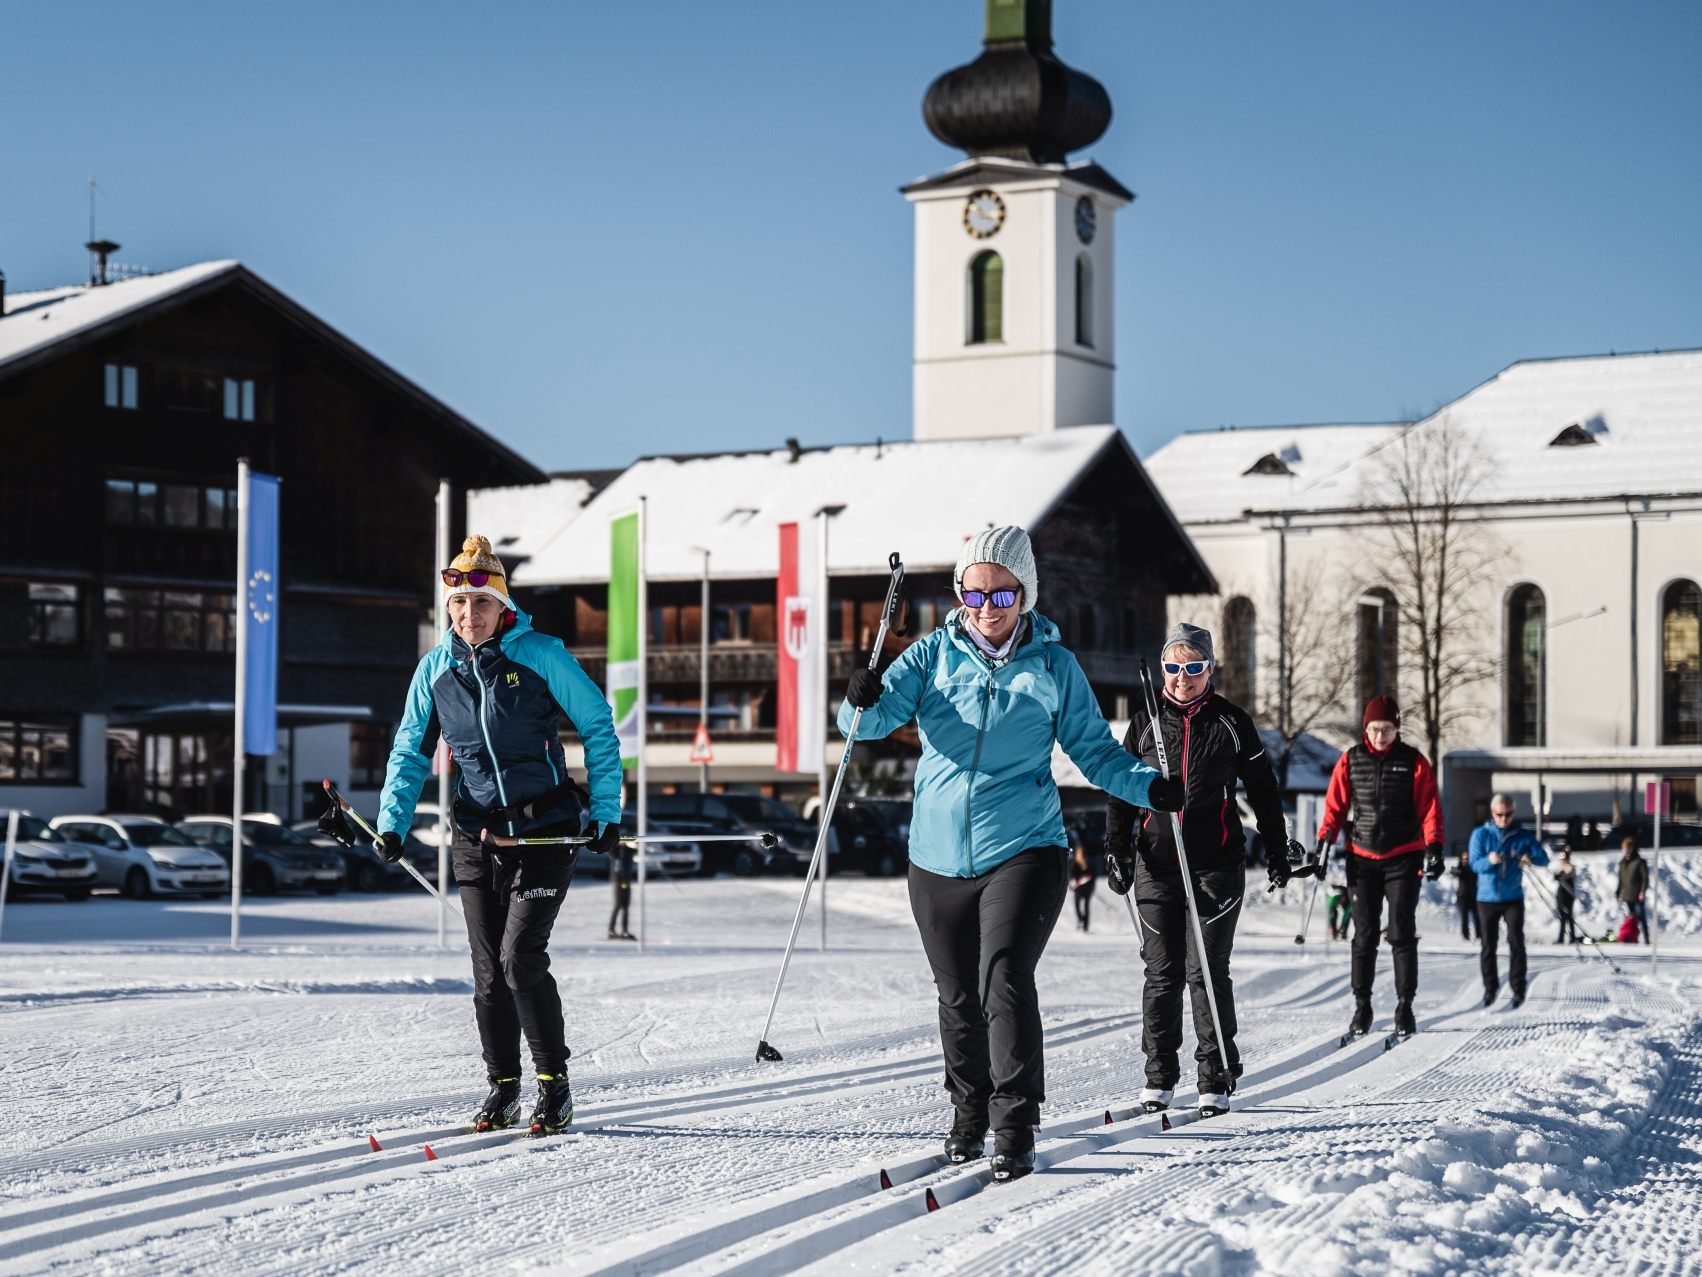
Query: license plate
pixel 71 873
pixel 328 873
pixel 208 879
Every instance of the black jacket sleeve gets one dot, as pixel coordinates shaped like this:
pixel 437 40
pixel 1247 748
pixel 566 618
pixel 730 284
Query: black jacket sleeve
pixel 1253 766
pixel 1122 820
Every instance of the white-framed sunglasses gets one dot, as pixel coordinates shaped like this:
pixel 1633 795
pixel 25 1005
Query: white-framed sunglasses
pixel 1193 669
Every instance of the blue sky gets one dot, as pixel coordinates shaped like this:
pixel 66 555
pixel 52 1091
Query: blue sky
pixel 605 230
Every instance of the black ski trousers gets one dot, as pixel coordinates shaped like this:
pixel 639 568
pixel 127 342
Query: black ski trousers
pixel 623 905
pixel 984 937
pixel 1394 882
pixel 1565 902
pixel 1489 916
pixel 1167 947
pixel 511 898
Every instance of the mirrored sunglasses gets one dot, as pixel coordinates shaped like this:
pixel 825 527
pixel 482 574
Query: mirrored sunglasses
pixel 1193 669
pixel 1001 598
pixel 477 578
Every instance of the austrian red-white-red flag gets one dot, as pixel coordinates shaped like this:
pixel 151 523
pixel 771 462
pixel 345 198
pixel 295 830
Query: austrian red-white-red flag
pixel 801 722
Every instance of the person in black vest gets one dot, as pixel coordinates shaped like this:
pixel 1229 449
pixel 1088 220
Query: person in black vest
pixel 1386 790
pixel 1211 745
pixel 1566 896
pixel 1466 899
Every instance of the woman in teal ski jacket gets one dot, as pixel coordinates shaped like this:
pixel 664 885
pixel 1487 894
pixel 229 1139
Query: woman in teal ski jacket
pixel 991 690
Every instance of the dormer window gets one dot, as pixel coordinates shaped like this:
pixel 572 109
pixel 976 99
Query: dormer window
pixel 1270 463
pixel 1574 436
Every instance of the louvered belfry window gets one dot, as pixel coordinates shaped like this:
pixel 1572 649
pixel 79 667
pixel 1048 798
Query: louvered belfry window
pixel 986 298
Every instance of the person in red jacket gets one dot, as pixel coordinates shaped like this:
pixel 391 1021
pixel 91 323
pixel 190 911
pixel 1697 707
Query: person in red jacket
pixel 1384 790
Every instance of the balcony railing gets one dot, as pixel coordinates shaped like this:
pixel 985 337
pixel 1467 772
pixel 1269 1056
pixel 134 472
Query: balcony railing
pixel 729 662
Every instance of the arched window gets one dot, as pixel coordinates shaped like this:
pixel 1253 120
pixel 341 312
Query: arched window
pixel 1237 651
pixel 1681 664
pixel 1379 644
pixel 1527 667
pixel 1084 301
pixel 986 298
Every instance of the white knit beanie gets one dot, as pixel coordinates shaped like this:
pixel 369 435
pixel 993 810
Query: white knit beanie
pixel 1011 549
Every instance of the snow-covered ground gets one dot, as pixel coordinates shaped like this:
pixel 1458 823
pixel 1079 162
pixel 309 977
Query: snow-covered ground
pixel 169 1105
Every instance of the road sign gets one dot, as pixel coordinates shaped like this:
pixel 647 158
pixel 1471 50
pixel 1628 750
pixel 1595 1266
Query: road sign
pixel 700 749
pixel 1657 796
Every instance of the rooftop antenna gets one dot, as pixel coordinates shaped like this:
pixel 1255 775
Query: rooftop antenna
pixel 101 248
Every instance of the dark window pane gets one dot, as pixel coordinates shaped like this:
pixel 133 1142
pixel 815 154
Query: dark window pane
pixel 147 504
pixel 180 506
pixel 55 615
pixel 120 501
pixel 1681 664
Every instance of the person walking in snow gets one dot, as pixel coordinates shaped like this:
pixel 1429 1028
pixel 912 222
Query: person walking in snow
pixel 1214 746
pixel 991 690
pixel 1338 904
pixel 1082 879
pixel 622 867
pixel 1565 896
pixel 1501 851
pixel 495 690
pixel 1385 789
pixel 1634 885
pixel 1465 899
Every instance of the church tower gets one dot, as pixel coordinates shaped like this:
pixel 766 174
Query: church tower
pixel 1014 244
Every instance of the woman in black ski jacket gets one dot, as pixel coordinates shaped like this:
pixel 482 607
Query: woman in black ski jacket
pixel 1211 745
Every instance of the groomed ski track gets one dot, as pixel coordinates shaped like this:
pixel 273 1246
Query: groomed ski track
pixel 745 1168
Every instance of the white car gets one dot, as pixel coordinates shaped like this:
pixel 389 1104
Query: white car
pixel 43 860
pixel 143 856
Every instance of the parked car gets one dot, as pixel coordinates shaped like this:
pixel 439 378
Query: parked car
pixel 44 860
pixel 1674 833
pixel 675 859
pixel 143 856
pixel 872 836
pixel 743 814
pixel 273 858
pixel 363 868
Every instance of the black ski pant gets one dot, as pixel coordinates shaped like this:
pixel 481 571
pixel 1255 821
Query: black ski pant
pixel 984 937
pixel 623 904
pixel 1084 905
pixel 1394 882
pixel 1489 916
pixel 1468 919
pixel 1564 903
pixel 1167 946
pixel 511 898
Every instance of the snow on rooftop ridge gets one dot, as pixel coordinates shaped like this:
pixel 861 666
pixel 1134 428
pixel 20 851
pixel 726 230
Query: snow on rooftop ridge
pixel 38 319
pixel 523 519
pixel 888 497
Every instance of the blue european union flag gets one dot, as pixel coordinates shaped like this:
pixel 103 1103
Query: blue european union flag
pixel 260 595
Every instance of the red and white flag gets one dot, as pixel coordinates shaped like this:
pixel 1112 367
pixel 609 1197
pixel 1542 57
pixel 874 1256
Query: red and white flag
pixel 801 723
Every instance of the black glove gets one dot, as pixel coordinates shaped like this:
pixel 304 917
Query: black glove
pixel 607 842
pixel 389 847
pixel 333 822
pixel 1165 794
pixel 1119 871
pixel 864 689
pixel 1277 869
pixel 1433 861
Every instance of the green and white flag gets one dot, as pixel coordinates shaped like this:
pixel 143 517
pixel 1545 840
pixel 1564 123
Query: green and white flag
pixel 626 643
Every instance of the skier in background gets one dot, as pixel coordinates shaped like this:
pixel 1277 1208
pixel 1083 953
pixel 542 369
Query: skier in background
pixel 1501 851
pixel 1566 896
pixel 621 869
pixel 1465 900
pixel 1082 877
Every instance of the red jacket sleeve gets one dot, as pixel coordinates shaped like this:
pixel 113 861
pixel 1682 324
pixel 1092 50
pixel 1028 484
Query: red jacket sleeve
pixel 1427 802
pixel 1336 800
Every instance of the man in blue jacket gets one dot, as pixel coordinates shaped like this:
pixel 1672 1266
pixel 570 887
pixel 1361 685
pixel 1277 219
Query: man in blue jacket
pixel 1501 851
pixel 990 691
pixel 495 690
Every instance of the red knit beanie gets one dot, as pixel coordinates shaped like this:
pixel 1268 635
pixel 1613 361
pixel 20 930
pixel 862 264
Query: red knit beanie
pixel 1381 709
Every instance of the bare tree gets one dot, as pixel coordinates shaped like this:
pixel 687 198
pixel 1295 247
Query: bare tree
pixel 1436 554
pixel 1306 645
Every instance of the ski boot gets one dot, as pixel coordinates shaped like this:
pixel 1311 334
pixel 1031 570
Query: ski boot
pixel 1489 993
pixel 1213 1103
pixel 1154 1099
pixel 1013 1155
pixel 968 1138
pixel 1361 1024
pixel 501 1106
pixel 554 1110
pixel 1405 1025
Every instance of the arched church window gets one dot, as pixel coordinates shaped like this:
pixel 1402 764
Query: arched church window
pixel 1084 301
pixel 1379 644
pixel 986 298
pixel 1237 651
pixel 1527 666
pixel 1681 664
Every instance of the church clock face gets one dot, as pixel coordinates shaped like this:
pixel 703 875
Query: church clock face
pixel 1087 220
pixel 983 214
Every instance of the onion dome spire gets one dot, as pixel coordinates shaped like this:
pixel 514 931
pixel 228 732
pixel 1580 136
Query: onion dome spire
pixel 1017 100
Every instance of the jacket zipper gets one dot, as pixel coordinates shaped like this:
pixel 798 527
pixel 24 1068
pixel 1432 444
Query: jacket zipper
pixel 485 728
pixel 974 766
pixel 1186 724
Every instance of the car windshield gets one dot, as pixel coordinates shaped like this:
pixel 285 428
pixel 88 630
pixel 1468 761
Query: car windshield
pixel 267 834
pixel 36 829
pixel 756 807
pixel 148 834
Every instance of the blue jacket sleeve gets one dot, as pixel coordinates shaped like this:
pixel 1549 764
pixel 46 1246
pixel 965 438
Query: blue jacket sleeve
pixel 903 684
pixel 1086 737
pixel 1480 850
pixel 584 703
pixel 1535 850
pixel 410 755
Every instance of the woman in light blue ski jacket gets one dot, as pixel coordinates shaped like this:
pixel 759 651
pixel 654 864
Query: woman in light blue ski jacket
pixel 991 690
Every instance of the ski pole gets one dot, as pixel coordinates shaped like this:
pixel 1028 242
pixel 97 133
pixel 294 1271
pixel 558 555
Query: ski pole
pixel 768 840
pixel 1554 908
pixel 377 842
pixel 1187 875
pixel 889 616
pixel 1306 920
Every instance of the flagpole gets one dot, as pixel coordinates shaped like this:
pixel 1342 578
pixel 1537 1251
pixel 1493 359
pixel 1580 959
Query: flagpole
pixel 442 751
pixel 240 718
pixel 819 656
pixel 643 719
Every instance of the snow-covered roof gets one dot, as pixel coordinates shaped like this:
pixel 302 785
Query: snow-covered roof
pixel 1637 420
pixel 530 516
pixel 34 321
pixel 921 499
pixel 1214 475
